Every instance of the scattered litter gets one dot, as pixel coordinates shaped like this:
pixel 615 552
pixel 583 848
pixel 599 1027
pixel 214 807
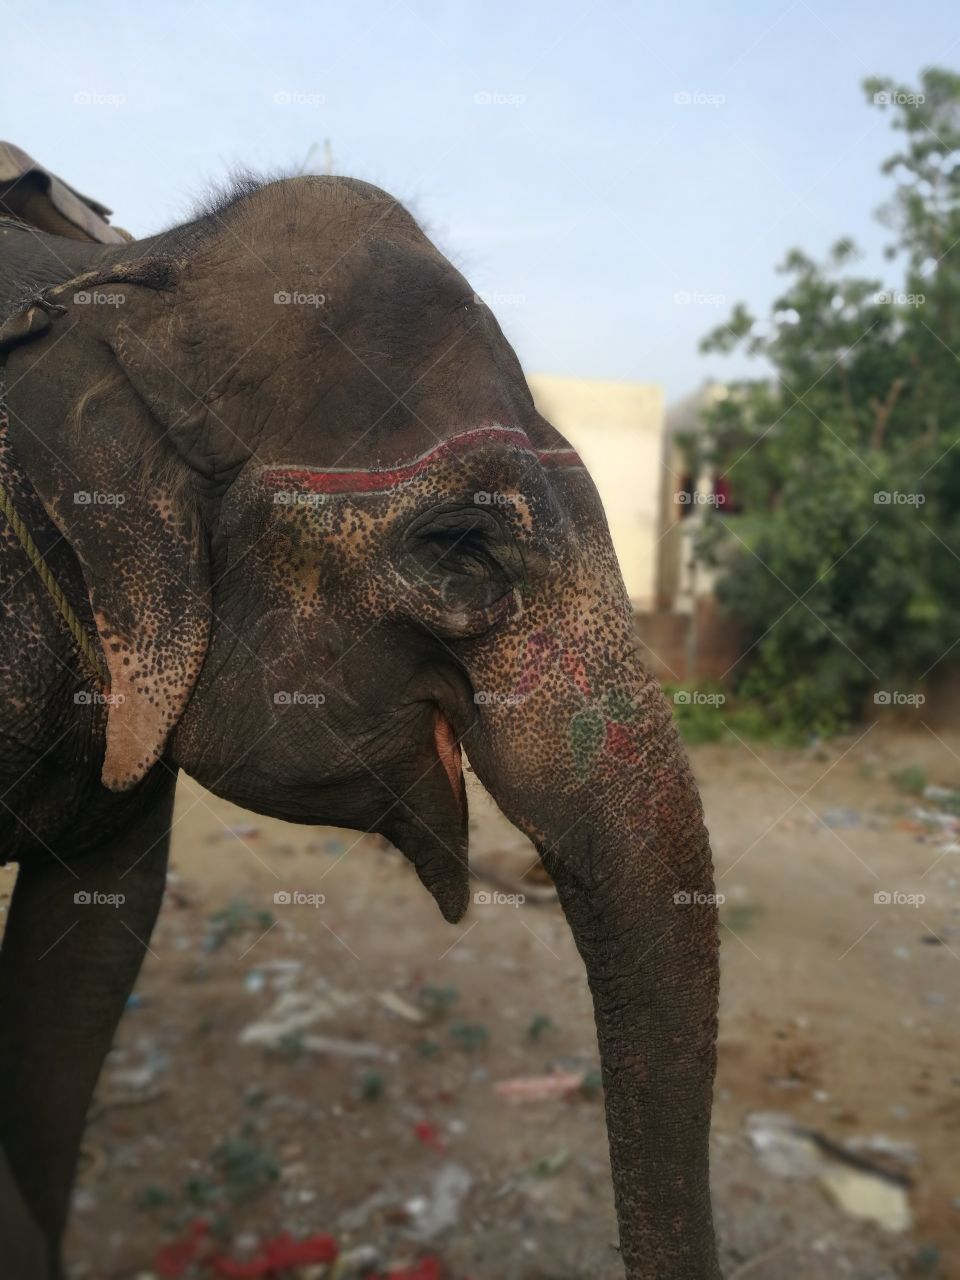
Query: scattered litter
pixel 867 1197
pixel 425 1269
pixel 946 797
pixel 293 1011
pixel 540 1024
pixel 238 916
pixel 865 1178
pixel 336 1048
pixel 274 1257
pixel 245 1166
pixel 255 980
pixel 429 1135
pixel 236 831
pixel 839 818
pixel 469 1035
pixel 403 1009
pixel 439 1209
pixel 438 1000
pixel 562 1084
pixel 550 1165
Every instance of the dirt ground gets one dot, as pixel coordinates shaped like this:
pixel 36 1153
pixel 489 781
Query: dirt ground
pixel 366 1107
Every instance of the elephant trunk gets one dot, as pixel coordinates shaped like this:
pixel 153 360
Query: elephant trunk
pixel 586 760
pixel 641 908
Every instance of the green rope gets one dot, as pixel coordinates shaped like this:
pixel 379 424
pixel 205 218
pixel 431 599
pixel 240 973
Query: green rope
pixel 92 654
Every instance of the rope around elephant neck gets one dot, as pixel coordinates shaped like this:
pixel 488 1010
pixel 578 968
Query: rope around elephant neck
pixel 35 556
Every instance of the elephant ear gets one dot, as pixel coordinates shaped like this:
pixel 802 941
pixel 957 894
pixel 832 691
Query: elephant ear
pixel 114 485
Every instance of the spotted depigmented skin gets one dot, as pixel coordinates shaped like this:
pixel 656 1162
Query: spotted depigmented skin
pixel 351 543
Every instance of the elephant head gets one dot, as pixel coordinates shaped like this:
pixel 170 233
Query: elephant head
pixel 328 541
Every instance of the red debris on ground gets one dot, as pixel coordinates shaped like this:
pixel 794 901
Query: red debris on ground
pixel 429 1135
pixel 275 1257
pixel 426 1269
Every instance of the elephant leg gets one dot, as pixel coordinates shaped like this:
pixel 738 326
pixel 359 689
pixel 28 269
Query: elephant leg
pixel 75 939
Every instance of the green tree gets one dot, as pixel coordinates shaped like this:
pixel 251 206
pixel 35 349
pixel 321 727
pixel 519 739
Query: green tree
pixel 842 566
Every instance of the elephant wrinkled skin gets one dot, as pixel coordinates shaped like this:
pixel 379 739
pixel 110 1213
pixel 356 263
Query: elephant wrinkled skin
pixel 287 471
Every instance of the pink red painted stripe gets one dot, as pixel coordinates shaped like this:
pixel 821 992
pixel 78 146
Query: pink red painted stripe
pixel 375 480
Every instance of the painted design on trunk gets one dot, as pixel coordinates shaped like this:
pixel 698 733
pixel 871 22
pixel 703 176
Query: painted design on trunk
pixel 604 723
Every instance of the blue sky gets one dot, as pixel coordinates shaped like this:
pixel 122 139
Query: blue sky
pixel 548 148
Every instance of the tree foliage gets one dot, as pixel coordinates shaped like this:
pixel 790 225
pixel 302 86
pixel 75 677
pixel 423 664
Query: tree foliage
pixel 842 567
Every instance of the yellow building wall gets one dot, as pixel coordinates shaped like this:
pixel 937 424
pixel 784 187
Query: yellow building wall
pixel 617 428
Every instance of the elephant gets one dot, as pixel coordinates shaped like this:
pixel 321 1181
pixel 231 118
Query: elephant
pixel 280 511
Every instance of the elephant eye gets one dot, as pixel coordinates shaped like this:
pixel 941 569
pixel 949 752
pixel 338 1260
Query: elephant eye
pixel 458 550
pixel 464 557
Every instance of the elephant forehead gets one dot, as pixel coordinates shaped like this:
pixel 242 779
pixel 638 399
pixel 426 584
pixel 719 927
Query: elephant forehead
pixel 440 459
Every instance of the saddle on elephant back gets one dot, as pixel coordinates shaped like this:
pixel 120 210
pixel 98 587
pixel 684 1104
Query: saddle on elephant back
pixel 31 194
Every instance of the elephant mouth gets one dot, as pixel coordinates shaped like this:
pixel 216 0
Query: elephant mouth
pixel 449 753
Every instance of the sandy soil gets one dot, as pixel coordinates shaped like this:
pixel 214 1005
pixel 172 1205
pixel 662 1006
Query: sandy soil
pixel 838 1011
